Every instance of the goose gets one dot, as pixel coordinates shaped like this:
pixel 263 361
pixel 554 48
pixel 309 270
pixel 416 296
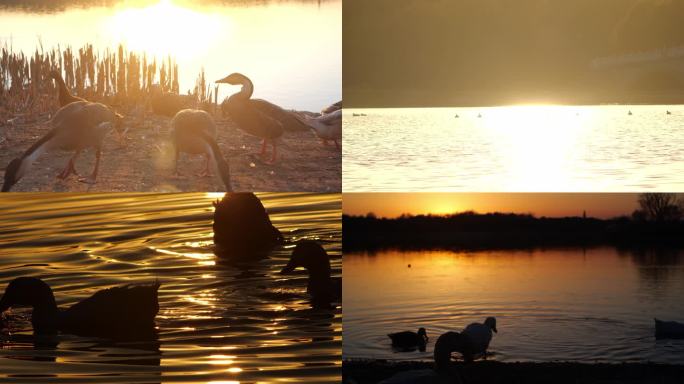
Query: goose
pixel 257 117
pixel 668 329
pixel 65 97
pixel 242 228
pixel 168 104
pixel 193 131
pixel 75 127
pixel 476 338
pixel 669 113
pixel 629 113
pixel 118 310
pixel 327 127
pixel 408 340
pixel 322 288
pixel 332 108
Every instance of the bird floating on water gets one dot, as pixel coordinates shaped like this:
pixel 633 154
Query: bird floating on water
pixel 322 288
pixel 258 117
pixel 75 127
pixel 114 312
pixel 193 131
pixel 409 340
pixel 242 228
pixel 668 329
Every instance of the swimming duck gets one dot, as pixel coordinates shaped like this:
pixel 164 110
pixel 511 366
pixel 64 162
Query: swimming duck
pixel 111 311
pixel 75 127
pixel 257 117
pixel 332 108
pixel 629 113
pixel 322 288
pixel 668 329
pixel 327 127
pixel 65 97
pixel 193 131
pixel 242 228
pixel 669 113
pixel 408 340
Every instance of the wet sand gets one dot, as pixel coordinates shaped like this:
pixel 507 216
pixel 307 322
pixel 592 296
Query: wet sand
pixel 145 163
pixel 493 372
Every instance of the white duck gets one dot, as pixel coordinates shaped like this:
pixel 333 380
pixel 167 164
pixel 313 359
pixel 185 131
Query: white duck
pixel 327 127
pixel 476 339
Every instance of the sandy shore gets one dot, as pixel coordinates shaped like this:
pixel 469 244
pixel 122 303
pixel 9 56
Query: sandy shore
pixel 491 372
pixel 145 163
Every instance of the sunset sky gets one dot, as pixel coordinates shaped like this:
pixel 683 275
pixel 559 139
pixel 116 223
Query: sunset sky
pixel 604 205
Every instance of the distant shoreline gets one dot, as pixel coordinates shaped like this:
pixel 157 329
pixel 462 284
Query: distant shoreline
pixel 486 372
pixel 472 231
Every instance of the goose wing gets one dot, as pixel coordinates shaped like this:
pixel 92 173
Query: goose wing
pixel 286 118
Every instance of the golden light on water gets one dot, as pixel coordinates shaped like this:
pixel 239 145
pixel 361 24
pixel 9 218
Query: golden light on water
pixel 165 28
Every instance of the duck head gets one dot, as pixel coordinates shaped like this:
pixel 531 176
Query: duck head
pixel 35 293
pixel 423 334
pixel 239 79
pixel 13 173
pixel 311 256
pixel 491 323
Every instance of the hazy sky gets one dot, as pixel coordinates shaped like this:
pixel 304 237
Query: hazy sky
pixel 602 205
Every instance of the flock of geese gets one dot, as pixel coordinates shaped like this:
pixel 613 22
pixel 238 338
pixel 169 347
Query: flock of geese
pixel 80 124
pixel 240 219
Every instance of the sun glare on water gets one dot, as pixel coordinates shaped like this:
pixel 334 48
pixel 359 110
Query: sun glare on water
pixel 165 28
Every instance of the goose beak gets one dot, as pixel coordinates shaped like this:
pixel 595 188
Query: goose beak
pixel 494 329
pixel 223 81
pixel 288 268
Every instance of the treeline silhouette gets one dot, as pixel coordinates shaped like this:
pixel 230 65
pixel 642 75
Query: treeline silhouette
pixel 479 52
pixel 470 230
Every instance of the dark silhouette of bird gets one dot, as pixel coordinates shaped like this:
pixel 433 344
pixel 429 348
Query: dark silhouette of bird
pixel 322 288
pixel 408 340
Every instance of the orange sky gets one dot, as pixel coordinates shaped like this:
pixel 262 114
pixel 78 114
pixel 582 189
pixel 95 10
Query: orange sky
pixel 602 205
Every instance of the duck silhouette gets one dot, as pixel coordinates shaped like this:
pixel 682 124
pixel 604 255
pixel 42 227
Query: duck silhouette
pixel 113 312
pixel 322 288
pixel 409 340
pixel 242 228
pixel 668 329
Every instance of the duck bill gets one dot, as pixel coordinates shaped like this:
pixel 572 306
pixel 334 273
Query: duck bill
pixel 223 81
pixel 494 329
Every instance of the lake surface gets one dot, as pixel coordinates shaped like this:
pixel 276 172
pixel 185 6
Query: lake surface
pixel 565 304
pixel 522 148
pixel 292 50
pixel 217 323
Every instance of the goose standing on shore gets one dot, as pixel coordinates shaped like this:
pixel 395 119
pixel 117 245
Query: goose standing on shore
pixel 193 131
pixel 125 310
pixel 322 288
pixel 242 228
pixel 327 127
pixel 257 117
pixel 75 127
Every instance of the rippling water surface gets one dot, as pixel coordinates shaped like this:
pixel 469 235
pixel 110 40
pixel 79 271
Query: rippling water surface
pixel 570 304
pixel 521 148
pixel 217 323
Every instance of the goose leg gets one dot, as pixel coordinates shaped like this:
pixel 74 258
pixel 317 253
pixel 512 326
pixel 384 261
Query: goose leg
pixel 263 148
pixel 91 179
pixel 69 168
pixel 337 145
pixel 274 155
pixel 206 172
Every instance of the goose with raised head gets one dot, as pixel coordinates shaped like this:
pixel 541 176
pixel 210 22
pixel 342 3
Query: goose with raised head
pixel 668 329
pixel 75 127
pixel 193 131
pixel 409 340
pixel 322 288
pixel 242 228
pixel 117 311
pixel 327 127
pixel 65 97
pixel 257 117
